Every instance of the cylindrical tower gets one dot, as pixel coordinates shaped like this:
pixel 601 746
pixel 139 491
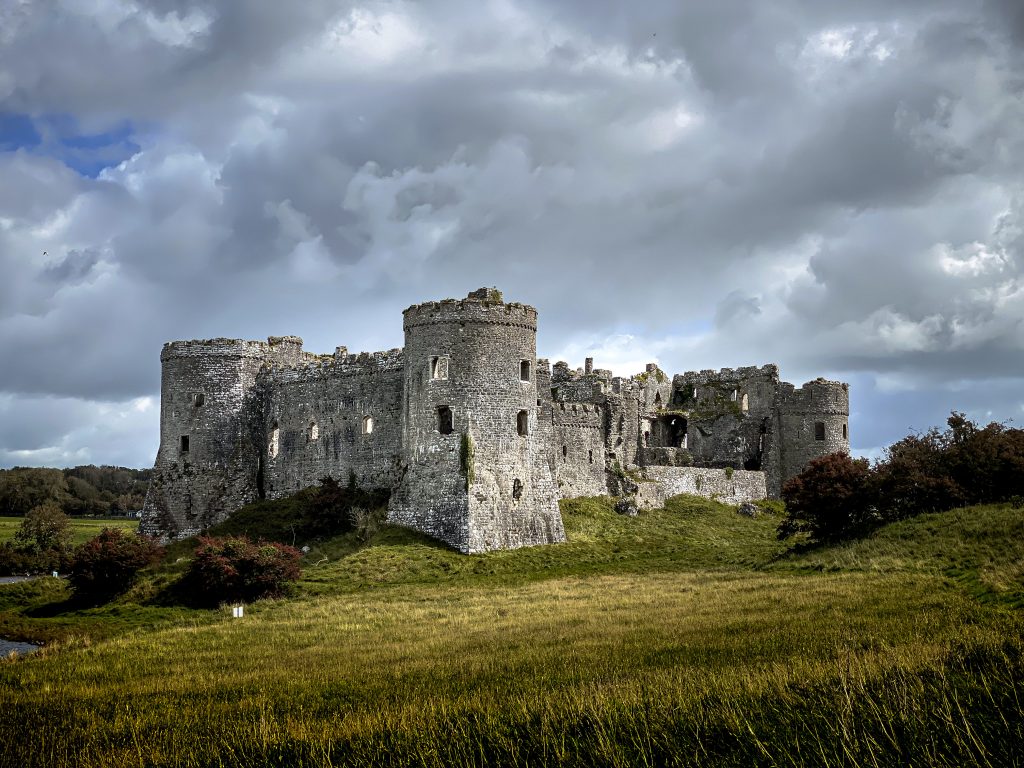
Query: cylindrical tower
pixel 206 465
pixel 477 475
pixel 813 421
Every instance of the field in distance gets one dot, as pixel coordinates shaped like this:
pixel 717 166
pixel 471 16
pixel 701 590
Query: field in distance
pixel 686 636
pixel 82 528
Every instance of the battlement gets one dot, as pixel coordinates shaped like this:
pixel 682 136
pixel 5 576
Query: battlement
pixel 176 350
pixel 481 306
pixel 818 396
pixel 722 375
pixel 327 366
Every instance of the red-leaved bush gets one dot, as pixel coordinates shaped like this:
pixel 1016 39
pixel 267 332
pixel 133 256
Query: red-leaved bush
pixel 107 564
pixel 236 569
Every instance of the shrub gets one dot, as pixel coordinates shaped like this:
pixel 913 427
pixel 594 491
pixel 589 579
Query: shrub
pixel 829 500
pixel 233 569
pixel 107 564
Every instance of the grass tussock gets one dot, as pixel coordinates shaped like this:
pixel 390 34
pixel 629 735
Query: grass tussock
pixel 686 636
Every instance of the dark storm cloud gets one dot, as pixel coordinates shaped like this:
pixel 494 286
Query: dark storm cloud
pixel 836 185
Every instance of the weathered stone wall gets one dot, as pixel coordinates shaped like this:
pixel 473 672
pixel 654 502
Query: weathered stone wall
pixel 725 485
pixel 579 443
pixel 205 467
pixel 313 421
pixel 476 359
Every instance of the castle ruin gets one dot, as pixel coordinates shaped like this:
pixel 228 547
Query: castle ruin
pixel 476 438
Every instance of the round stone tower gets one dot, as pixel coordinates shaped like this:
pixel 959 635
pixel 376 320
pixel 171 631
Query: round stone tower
pixel 476 474
pixel 206 465
pixel 812 421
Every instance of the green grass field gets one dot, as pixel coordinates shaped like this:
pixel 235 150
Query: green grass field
pixel 82 528
pixel 686 636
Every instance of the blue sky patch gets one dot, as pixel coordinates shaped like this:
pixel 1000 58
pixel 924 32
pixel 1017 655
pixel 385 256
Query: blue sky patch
pixel 60 137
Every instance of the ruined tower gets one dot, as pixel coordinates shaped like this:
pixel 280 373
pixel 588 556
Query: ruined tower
pixel 206 466
pixel 476 471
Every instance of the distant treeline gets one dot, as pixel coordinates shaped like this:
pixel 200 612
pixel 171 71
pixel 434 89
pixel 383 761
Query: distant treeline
pixel 85 490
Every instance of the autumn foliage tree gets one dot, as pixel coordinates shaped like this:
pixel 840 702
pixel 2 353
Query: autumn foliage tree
pixel 234 569
pixel 830 499
pixel 109 563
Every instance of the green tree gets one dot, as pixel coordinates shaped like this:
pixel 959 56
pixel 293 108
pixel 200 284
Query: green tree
pixel 45 528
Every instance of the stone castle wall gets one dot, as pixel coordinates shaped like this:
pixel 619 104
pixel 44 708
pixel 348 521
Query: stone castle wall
pixel 475 437
pixel 314 419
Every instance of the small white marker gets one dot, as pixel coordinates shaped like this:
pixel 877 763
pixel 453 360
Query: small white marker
pixel 56 575
pixel 237 611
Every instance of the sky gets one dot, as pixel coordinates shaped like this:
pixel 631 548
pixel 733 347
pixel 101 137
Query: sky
pixel 835 187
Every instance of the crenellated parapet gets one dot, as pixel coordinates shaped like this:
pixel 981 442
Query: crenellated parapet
pixel 485 311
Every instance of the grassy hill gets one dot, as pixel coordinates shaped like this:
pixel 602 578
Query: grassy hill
pixel 686 636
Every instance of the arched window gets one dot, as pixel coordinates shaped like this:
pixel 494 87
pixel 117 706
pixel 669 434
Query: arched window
pixel 657 398
pixel 367 425
pixel 744 403
pixel 444 420
pixel 565 451
pixel 314 431
pixel 517 489
pixel 523 423
pixel 275 440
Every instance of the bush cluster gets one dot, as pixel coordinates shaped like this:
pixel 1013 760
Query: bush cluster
pixel 107 564
pixel 838 497
pixel 233 569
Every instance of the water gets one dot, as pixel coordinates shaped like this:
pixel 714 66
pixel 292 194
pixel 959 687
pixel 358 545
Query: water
pixel 7 647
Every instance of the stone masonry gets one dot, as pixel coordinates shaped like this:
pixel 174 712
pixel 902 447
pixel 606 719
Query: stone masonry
pixel 476 437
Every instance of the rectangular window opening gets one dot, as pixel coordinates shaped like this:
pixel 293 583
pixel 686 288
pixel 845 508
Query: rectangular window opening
pixel 819 430
pixel 198 399
pixel 524 370
pixel 184 443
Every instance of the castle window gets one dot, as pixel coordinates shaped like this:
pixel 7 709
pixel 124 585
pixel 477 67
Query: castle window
pixel 517 489
pixel 844 432
pixel 367 425
pixel 734 395
pixel 819 430
pixel 444 420
pixel 184 443
pixel 657 398
pixel 198 399
pixel 523 423
pixel 439 367
pixel 314 431
pixel 694 392
pixel 565 451
pixel 275 440
pixel 591 457
pixel 744 403
pixel 524 370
